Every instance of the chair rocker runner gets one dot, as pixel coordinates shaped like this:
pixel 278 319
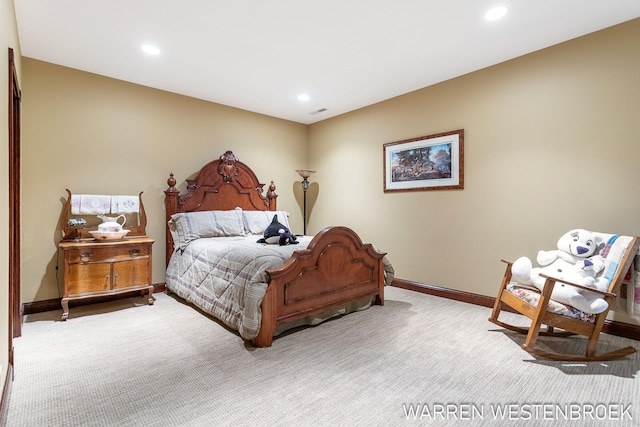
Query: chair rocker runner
pixel 536 306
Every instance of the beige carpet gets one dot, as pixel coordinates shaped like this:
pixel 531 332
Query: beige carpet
pixel 128 364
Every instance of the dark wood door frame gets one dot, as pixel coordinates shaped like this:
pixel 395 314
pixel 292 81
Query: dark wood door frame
pixel 15 323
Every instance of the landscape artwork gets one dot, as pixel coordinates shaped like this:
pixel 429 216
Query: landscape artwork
pixel 432 162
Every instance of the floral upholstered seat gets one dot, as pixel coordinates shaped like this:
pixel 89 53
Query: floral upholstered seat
pixel 533 297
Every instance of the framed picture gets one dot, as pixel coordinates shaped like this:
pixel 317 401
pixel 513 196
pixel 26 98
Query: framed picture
pixel 434 162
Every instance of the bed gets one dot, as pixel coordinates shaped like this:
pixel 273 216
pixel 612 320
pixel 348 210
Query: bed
pixel 215 262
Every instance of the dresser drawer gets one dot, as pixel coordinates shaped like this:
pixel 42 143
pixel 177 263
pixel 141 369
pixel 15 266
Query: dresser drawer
pixel 111 253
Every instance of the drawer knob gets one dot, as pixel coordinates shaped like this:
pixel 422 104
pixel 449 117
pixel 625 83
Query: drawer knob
pixel 134 252
pixel 85 256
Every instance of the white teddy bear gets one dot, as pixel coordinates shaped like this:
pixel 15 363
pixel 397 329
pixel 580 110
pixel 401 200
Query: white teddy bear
pixel 575 261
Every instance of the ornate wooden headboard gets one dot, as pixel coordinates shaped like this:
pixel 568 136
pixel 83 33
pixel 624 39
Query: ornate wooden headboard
pixel 223 184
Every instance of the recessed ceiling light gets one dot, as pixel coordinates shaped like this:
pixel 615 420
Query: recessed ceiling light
pixel 151 50
pixel 495 13
pixel 303 97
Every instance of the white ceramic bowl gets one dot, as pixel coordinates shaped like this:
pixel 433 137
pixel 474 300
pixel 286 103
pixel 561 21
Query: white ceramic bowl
pixel 109 235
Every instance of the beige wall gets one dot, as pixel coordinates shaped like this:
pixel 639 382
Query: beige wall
pixel 8 39
pixel 97 135
pixel 551 143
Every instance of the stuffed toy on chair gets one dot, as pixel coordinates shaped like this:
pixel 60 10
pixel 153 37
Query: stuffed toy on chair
pixel 576 260
pixel 278 234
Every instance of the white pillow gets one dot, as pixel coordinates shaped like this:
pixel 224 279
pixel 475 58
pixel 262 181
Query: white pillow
pixel 255 222
pixel 195 225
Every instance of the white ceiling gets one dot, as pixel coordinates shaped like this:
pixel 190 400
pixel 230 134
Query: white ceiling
pixel 258 55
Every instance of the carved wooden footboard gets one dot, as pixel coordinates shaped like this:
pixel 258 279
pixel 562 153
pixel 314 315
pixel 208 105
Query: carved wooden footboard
pixel 335 269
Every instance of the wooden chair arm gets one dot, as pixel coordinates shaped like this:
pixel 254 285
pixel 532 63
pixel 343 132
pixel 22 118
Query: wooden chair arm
pixel 555 279
pixel 586 288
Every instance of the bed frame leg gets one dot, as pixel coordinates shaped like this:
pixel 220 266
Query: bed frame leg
pixel 268 323
pixel 379 299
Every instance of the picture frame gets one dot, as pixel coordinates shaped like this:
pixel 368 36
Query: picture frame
pixel 434 162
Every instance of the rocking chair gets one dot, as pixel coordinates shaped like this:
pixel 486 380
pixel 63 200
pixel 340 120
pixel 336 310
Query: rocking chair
pixel 619 253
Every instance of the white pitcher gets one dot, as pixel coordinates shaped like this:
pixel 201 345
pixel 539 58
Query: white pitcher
pixel 110 224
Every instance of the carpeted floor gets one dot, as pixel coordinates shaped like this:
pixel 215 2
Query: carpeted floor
pixel 419 360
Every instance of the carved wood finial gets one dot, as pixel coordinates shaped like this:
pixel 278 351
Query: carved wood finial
pixel 171 182
pixel 272 196
pixel 227 167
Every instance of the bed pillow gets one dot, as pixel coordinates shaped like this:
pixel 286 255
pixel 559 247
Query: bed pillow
pixel 195 225
pixel 255 222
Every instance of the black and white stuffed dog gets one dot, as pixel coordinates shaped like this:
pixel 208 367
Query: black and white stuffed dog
pixel 278 234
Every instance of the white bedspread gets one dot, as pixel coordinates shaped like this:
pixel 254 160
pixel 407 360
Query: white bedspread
pixel 226 277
